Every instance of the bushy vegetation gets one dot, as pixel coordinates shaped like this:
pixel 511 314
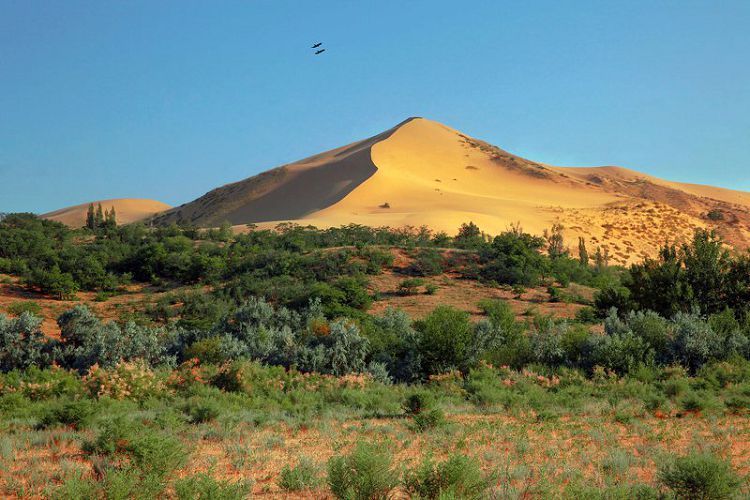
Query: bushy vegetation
pixel 279 327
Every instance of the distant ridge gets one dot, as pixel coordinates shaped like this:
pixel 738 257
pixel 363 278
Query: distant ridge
pixel 127 209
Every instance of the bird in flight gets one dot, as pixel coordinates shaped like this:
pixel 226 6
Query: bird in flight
pixel 317 45
pixel 319 51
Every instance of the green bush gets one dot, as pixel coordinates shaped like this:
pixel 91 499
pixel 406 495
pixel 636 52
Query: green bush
pixel 205 487
pixel 303 476
pixel 18 308
pixel 457 477
pixel 208 350
pixel 429 262
pixel 421 408
pixel 364 474
pixel 151 452
pixel 200 410
pixel 429 419
pixel 72 413
pixel 409 286
pixel 701 476
pixel 448 340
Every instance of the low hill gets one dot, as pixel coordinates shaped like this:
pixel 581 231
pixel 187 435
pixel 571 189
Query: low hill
pixel 127 209
pixel 424 173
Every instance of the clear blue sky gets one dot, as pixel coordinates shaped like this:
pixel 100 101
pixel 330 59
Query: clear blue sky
pixel 168 99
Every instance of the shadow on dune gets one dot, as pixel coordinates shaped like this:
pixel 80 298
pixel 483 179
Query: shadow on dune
pixel 288 192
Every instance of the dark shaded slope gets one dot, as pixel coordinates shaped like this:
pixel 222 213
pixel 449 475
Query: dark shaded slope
pixel 288 192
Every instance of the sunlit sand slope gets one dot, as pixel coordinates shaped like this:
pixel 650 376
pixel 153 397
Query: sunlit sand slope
pixel 424 173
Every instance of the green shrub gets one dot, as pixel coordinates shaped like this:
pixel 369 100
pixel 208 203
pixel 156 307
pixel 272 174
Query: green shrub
pixel 431 288
pixel 364 474
pixel 205 487
pixel 149 451
pixel 429 262
pixel 303 476
pixel 420 406
pixel 701 476
pixel 447 341
pixel 18 308
pixel 200 410
pixel 72 413
pixel 586 315
pixel 457 477
pixel 429 419
pixel 208 350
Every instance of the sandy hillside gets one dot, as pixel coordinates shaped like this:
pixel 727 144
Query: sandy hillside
pixel 127 210
pixel 424 173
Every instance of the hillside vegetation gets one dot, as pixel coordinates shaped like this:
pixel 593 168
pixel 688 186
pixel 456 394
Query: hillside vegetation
pixel 267 366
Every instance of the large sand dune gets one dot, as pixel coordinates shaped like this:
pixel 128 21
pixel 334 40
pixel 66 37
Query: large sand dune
pixel 424 173
pixel 127 210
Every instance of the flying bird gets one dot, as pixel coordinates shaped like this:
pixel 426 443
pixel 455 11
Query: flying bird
pixel 319 51
pixel 317 45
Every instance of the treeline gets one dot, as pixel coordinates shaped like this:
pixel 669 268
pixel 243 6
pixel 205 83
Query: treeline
pixel 701 276
pixel 278 263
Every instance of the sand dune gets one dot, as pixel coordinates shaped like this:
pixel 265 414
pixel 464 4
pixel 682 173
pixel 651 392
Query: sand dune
pixel 424 173
pixel 127 210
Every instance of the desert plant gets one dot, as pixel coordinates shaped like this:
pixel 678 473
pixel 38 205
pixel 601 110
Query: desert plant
pixel 303 476
pixel 205 487
pixel 457 477
pixel 364 474
pixel 409 286
pixel 699 476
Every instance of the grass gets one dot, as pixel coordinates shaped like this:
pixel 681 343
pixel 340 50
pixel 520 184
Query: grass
pixel 502 434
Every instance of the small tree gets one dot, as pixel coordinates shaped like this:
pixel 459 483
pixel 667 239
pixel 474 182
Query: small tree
pixel 469 236
pixel 91 217
pixel 555 242
pixel 99 216
pixel 583 254
pixel 111 218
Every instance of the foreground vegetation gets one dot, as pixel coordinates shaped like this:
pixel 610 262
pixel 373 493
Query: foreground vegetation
pixel 272 378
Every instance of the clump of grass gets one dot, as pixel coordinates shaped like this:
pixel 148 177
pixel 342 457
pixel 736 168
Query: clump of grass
pixel 72 413
pixel 303 476
pixel 18 308
pixel 143 456
pixel 410 286
pixel 457 477
pixel 423 412
pixel 700 475
pixel 366 473
pixel 203 486
pixel 201 410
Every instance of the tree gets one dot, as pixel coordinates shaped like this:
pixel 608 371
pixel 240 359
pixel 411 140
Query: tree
pixel 445 338
pixel 555 243
pixel 56 283
pixel 583 254
pixel 111 218
pixel 90 217
pixel 99 216
pixel 469 236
